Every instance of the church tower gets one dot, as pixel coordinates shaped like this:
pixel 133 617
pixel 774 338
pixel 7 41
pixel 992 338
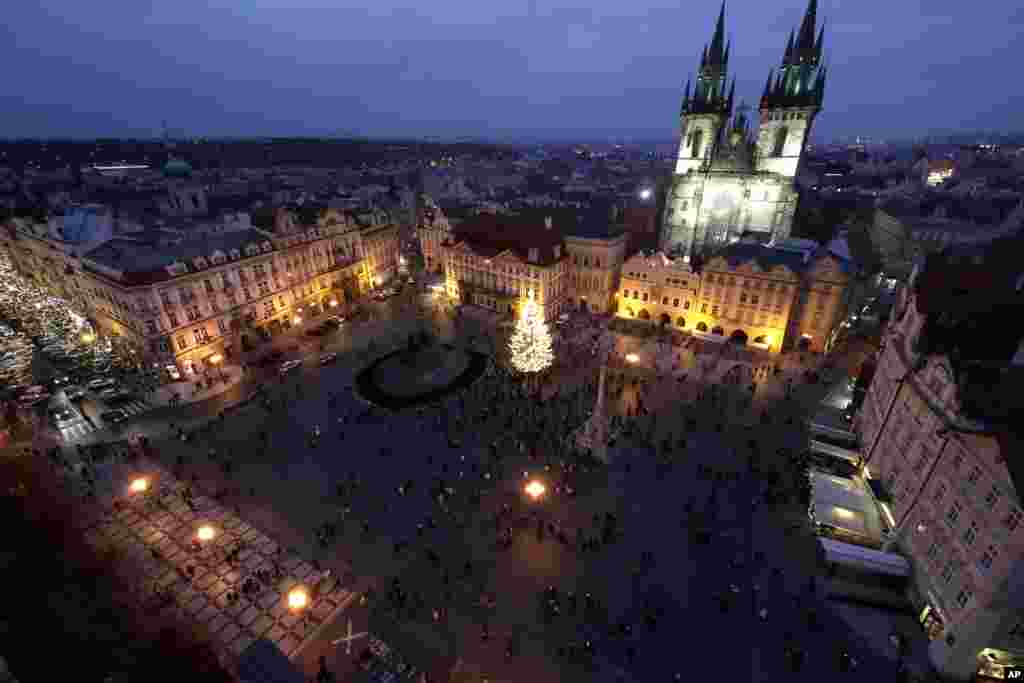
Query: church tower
pixel 705 112
pixel 791 100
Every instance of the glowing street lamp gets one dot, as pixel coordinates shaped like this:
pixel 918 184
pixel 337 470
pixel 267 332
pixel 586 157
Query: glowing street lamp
pixel 139 485
pixel 632 358
pixel 205 533
pixel 332 303
pixel 88 338
pixel 535 489
pixel 298 599
pixel 296 320
pixel 645 193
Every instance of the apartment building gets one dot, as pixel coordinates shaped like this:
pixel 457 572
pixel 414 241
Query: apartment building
pixel 185 301
pixel 938 425
pixel 494 261
pixel 773 297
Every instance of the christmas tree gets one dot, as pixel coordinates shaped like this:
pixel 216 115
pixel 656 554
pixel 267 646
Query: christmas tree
pixel 530 345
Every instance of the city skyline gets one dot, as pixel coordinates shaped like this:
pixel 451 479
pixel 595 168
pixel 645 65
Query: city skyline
pixel 531 71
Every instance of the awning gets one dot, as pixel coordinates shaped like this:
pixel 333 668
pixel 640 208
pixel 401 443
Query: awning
pixel 873 561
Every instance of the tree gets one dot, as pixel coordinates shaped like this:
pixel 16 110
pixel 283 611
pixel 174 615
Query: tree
pixel 530 345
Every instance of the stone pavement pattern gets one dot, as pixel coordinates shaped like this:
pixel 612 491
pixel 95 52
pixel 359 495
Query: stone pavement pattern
pixel 155 533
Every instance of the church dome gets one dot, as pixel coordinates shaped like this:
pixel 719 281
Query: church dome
pixel 177 168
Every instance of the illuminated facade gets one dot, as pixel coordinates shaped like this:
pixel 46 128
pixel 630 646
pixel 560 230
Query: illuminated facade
pixel 771 298
pixel 937 428
pixel 432 230
pixel 181 300
pixel 494 261
pixel 728 180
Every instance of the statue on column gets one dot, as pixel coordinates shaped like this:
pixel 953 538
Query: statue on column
pixel 594 434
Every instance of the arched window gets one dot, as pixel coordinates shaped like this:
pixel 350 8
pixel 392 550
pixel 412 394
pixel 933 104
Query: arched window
pixel 698 140
pixel 780 141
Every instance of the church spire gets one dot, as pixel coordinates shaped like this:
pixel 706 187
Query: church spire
pixel 788 57
pixel 820 42
pixel 805 40
pixel 686 98
pixel 715 53
pixel 768 85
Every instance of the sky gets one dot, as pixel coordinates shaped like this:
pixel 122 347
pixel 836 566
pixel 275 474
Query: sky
pixel 500 69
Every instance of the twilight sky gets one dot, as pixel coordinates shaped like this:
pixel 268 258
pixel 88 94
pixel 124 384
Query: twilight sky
pixel 495 68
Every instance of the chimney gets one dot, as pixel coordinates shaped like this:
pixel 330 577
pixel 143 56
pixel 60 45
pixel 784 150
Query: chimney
pixel 547 222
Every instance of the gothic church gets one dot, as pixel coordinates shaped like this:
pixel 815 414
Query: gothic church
pixel 729 180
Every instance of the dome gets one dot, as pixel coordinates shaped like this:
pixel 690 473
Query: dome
pixel 177 168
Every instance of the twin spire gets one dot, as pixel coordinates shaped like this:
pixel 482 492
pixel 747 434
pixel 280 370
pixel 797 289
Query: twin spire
pixel 799 81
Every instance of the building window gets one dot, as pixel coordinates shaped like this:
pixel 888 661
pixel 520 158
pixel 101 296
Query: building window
pixel 953 514
pixel 974 476
pixel 645 296
pixel 987 559
pixel 199 334
pixel 703 308
pixel 971 533
pixel 958 461
pixel 933 551
pixel 182 342
pixel 675 303
pixel 664 301
pixel 754 299
pixel 963 597
pixel 173 317
pixel 222 325
pixel 150 327
pixel 948 571
pixel 1013 519
pixel 993 497
pixel 268 308
pixel 743 298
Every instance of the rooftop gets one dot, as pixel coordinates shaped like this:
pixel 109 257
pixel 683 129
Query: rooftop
pixel 144 258
pixel 489 234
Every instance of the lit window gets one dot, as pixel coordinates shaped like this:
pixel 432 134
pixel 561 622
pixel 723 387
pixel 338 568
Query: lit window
pixel 948 571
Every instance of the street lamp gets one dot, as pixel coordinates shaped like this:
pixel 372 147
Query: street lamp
pixel 535 489
pixel 296 320
pixel 205 533
pixel 645 193
pixel 215 360
pixel 333 302
pixel 632 358
pixel 298 599
pixel 139 485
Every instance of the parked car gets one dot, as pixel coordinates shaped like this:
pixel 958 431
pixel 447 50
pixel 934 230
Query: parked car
pixel 290 366
pixel 33 399
pixel 101 383
pixel 61 415
pixel 114 416
pixel 74 393
pixel 109 393
pixel 328 358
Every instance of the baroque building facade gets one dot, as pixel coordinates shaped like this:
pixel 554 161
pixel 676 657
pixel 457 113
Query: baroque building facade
pixel 939 424
pixel 184 301
pixel 773 298
pixel 730 180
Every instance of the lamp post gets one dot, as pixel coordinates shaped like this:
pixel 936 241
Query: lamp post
pixel 298 601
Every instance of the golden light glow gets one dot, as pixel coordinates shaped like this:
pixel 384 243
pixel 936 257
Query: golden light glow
pixel 843 513
pixel 216 358
pixel 535 489
pixel 139 485
pixel 296 320
pixel 298 598
pixel 205 533
pixel 332 303
pixel 88 338
pixel 632 358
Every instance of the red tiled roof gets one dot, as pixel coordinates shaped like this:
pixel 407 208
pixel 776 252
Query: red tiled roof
pixel 490 234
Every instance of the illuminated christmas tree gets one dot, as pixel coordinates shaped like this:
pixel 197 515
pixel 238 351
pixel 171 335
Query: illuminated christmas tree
pixel 530 344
